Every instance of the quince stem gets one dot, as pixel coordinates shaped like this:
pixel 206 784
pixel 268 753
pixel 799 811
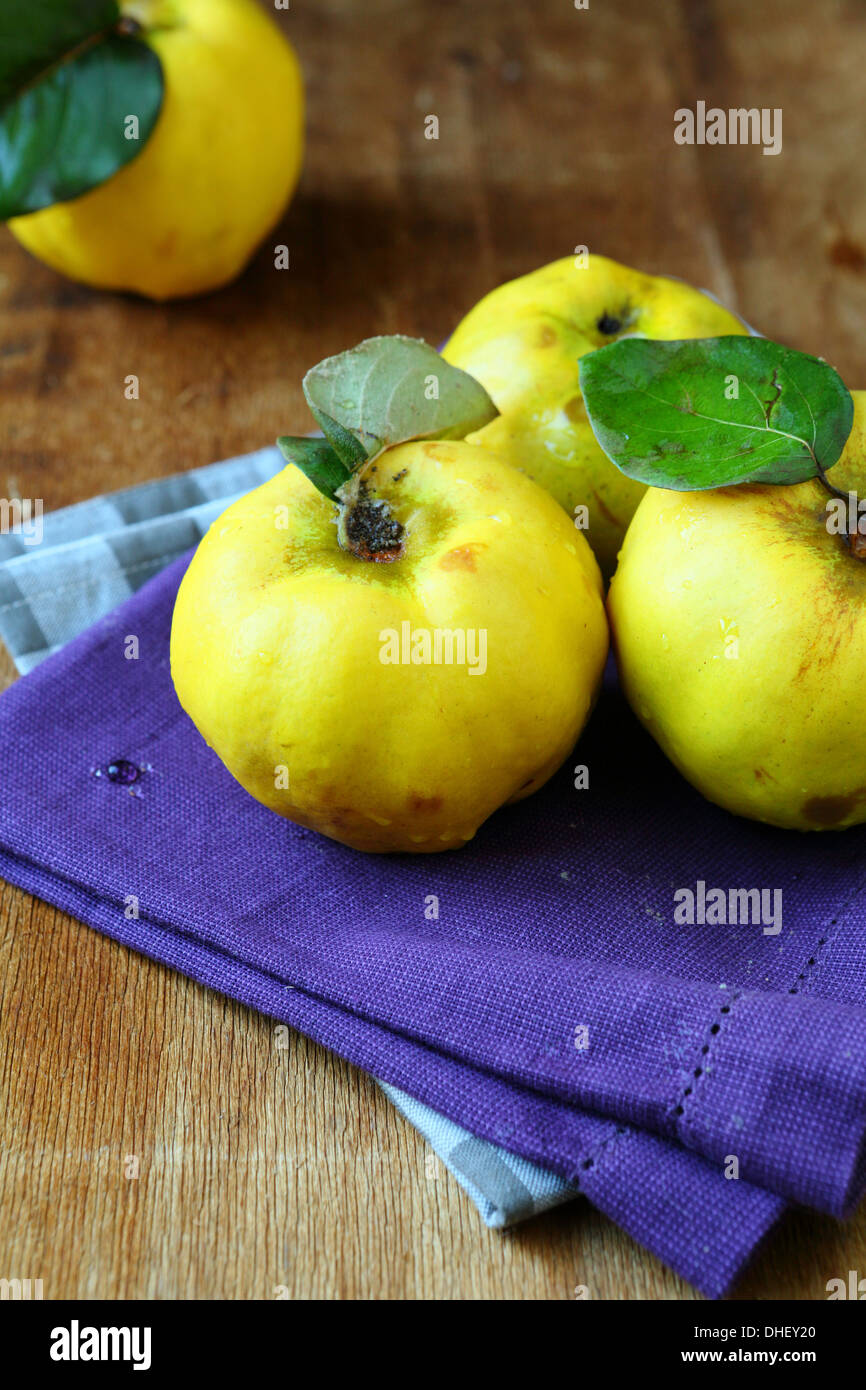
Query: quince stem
pixel 825 482
pixel 366 526
pixel 855 542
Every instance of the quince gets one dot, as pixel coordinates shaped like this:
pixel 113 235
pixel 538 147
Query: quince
pixel 524 341
pixel 393 697
pixel 215 175
pixel 739 621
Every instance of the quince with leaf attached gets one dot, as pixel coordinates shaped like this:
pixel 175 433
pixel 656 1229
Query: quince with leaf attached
pixel 398 635
pixel 524 342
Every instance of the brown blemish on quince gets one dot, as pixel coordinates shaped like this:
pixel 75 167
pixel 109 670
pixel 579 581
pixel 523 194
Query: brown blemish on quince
pixel 846 620
pixel 831 810
pixel 605 511
pixel 463 558
pixel 424 805
pixel 547 336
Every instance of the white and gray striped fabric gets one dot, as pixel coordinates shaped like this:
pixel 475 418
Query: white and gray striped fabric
pixel 77 564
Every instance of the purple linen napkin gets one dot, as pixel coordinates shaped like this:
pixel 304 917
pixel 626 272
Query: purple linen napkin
pixel 554 1006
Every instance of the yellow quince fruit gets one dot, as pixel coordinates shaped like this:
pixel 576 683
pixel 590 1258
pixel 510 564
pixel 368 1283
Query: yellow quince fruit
pixel 524 342
pixel 738 617
pixel 186 214
pixel 393 698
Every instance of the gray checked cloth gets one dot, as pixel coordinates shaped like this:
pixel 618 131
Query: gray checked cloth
pixel 61 571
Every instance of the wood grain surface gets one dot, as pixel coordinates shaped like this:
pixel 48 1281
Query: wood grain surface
pixel 263 1167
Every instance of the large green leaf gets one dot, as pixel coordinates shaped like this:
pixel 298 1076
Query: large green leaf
pixel 709 412
pixel 70 85
pixel 36 34
pixel 389 390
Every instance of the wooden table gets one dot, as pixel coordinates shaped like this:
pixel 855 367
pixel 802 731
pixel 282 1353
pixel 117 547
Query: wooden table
pixel 263 1168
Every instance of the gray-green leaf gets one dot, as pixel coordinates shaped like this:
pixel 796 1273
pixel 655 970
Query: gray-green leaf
pixel 711 412
pixel 69 83
pixel 389 390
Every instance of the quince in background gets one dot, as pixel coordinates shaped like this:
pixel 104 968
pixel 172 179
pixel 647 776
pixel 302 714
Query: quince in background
pixel 283 649
pixel 523 342
pixel 186 214
pixel 739 622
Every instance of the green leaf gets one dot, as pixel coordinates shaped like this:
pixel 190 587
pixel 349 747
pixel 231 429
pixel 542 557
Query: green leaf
pixel 710 412
pixel 70 84
pixel 36 34
pixel 317 460
pixel 343 442
pixel 381 393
